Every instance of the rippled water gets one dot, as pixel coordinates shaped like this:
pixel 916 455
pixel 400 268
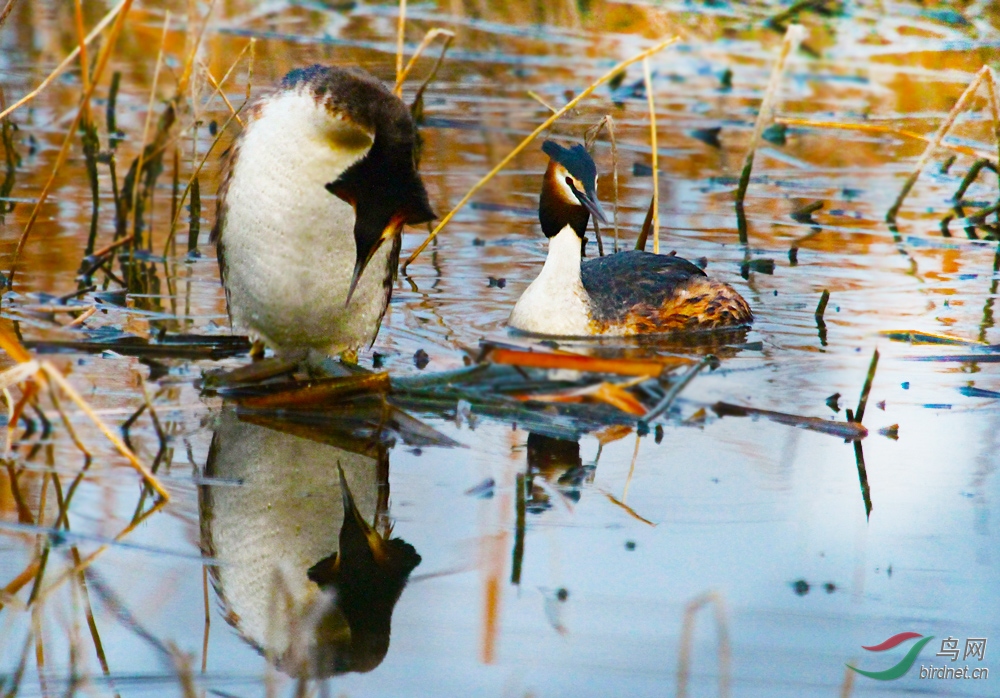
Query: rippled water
pixel 562 591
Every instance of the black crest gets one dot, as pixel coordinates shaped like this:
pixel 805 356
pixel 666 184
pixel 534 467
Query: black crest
pixel 575 159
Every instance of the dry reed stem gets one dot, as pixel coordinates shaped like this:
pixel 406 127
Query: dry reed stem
pixel 527 141
pixel 182 82
pixel 991 92
pixel 84 65
pixel 428 38
pixel 6 11
pixel 847 687
pixel 194 175
pixel 609 122
pixel 400 36
pixel 102 61
pixel 538 98
pixel 687 638
pixel 418 95
pixel 648 81
pixel 942 131
pixel 629 510
pixel 880 128
pixel 149 117
pixel 98 28
pixel 631 468
pixel 793 37
pixel 58 378
pixel 218 88
pixel 86 562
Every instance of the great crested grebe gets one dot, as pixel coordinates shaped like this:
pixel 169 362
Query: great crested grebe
pixel 628 293
pixel 310 212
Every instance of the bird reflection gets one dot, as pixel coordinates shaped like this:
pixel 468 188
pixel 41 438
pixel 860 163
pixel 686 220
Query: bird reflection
pixel 301 574
pixel 558 462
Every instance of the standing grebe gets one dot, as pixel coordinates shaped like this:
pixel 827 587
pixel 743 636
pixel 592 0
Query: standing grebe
pixel 627 293
pixel 310 212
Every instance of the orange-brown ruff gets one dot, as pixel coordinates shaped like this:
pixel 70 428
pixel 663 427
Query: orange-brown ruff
pixel 643 293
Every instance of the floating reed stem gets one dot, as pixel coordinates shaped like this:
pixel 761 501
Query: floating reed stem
pixel 527 141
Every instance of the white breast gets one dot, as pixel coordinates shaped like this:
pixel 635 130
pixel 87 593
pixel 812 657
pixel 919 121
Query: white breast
pixel 288 243
pixel 556 302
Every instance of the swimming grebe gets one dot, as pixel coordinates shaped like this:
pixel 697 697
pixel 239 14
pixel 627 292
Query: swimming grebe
pixel 628 293
pixel 315 193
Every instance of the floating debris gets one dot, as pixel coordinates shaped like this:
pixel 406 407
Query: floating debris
pixel 849 431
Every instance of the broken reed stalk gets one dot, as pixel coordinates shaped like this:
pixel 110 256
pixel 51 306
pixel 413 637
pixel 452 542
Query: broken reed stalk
pixel 880 128
pixel 400 36
pixel 419 94
pixel 687 641
pixel 793 37
pixel 648 81
pixel 429 37
pixel 991 93
pixel 821 307
pixel 984 74
pixel 527 141
pixel 647 225
pixel 102 61
pixel 98 28
pixel 607 122
pixel 863 401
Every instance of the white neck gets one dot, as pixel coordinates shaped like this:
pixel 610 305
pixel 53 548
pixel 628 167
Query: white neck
pixel 556 303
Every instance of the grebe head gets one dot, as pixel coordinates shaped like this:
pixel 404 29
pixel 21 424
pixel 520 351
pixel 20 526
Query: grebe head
pixel 569 190
pixel 382 184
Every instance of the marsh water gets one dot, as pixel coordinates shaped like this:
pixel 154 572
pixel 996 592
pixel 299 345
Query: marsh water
pixel 541 555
